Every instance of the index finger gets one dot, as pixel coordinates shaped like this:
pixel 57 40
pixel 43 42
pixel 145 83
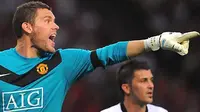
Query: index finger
pixel 188 36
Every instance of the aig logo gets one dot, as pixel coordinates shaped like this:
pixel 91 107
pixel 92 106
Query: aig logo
pixel 22 100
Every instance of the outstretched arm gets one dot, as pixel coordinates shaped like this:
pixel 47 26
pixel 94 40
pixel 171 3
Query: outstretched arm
pixel 135 48
pixel 173 41
pixel 81 61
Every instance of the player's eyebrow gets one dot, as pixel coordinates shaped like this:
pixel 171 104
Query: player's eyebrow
pixel 49 17
pixel 146 78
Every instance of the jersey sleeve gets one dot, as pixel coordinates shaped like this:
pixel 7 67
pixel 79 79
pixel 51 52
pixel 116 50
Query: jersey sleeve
pixel 78 62
pixel 113 53
pixel 75 64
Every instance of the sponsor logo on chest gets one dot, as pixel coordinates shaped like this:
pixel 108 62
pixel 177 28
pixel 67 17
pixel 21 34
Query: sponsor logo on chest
pixel 22 100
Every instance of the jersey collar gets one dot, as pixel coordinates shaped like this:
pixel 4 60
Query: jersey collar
pixel 123 108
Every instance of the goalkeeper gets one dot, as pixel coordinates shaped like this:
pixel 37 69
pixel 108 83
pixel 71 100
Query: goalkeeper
pixel 35 77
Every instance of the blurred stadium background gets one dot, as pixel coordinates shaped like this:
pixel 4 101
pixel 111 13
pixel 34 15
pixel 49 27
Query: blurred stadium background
pixel 90 24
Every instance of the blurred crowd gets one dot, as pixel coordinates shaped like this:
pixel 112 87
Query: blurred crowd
pixel 90 24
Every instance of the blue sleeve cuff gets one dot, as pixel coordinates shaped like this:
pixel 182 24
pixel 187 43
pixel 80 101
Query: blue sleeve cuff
pixel 113 53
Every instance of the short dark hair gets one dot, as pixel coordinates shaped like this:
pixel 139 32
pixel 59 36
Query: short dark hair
pixel 126 70
pixel 26 13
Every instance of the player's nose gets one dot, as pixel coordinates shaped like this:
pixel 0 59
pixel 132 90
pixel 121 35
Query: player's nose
pixel 56 27
pixel 150 85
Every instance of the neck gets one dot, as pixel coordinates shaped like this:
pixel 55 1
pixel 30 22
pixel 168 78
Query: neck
pixel 24 47
pixel 133 106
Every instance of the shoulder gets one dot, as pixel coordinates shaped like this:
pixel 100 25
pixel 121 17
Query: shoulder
pixel 73 50
pixel 115 108
pixel 154 108
pixel 6 52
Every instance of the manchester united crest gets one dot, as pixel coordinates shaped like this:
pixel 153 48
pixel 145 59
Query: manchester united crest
pixel 42 68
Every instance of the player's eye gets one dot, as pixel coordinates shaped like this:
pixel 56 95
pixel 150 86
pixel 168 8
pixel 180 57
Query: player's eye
pixel 144 80
pixel 47 20
pixel 152 79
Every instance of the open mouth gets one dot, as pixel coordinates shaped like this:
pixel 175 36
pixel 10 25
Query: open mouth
pixel 150 94
pixel 52 37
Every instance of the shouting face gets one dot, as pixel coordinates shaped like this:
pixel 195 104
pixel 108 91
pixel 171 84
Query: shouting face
pixel 44 31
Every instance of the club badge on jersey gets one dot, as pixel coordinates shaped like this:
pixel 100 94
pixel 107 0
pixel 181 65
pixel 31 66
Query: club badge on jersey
pixel 42 68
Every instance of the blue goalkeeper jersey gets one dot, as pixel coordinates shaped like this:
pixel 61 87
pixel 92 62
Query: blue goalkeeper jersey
pixel 40 84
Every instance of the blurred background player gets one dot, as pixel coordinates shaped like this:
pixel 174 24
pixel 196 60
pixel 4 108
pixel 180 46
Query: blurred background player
pixel 135 80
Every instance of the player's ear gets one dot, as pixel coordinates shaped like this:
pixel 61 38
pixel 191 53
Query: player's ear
pixel 126 88
pixel 27 27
